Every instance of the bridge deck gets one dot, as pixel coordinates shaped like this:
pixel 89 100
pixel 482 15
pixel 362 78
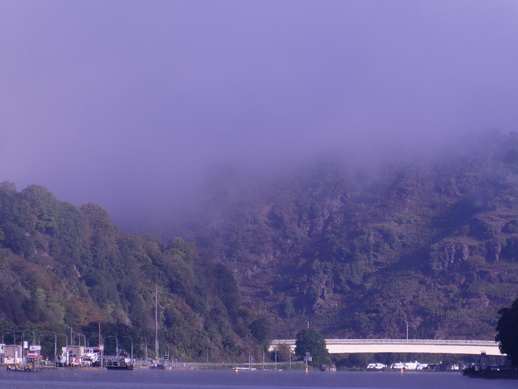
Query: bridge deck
pixel 431 346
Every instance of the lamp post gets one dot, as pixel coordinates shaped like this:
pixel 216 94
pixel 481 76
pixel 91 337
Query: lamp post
pixel 66 345
pixel 14 335
pixel 100 344
pixel 89 337
pixel 248 345
pixel 22 341
pixel 406 329
pixel 79 335
pixel 22 337
pixel 55 345
pixel 98 337
pixel 116 343
pixel 131 354
pixel 33 335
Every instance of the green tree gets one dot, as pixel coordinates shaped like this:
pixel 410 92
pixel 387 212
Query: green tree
pixel 507 332
pixel 283 353
pixel 312 341
pixel 288 309
pixel 261 330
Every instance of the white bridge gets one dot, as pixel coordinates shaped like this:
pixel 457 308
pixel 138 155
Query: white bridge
pixel 429 346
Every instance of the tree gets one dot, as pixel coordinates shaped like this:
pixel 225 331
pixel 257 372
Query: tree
pixel 507 332
pixel 261 330
pixel 283 352
pixel 312 341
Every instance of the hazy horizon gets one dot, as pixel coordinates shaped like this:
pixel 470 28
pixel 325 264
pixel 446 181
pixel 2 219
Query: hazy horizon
pixel 132 105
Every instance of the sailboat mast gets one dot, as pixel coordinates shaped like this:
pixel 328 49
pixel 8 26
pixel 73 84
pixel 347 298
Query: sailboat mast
pixel 156 323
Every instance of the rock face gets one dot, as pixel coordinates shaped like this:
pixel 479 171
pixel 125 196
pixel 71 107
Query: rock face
pixel 449 255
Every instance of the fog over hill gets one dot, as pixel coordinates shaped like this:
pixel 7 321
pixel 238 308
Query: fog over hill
pixel 352 163
pixel 134 106
pixel 360 253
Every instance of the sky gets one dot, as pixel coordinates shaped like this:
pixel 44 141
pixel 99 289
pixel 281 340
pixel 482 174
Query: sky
pixel 132 104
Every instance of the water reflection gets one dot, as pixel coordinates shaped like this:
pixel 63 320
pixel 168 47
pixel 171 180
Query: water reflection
pixel 188 379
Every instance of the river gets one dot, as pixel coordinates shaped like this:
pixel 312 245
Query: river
pixel 221 379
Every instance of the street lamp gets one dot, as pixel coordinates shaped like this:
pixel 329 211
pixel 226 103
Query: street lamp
pixel 55 344
pixel 99 338
pixel 33 335
pixel 22 337
pixel 66 344
pixel 131 346
pixel 14 335
pixel 100 344
pixel 248 345
pixel 116 343
pixel 79 335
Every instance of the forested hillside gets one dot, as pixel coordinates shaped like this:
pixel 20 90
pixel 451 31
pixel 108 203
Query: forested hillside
pixel 350 251
pixel 432 244
pixel 66 267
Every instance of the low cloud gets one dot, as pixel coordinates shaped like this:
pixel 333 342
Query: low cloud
pixel 132 106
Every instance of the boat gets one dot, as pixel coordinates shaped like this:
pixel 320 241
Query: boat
pixel 376 366
pixel 398 366
pixel 91 357
pixel 482 370
pixel 119 363
pixel 491 372
pixel 157 365
pixel 30 367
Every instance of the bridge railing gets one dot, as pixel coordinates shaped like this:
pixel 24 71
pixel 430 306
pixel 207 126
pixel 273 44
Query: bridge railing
pixel 398 341
pixel 413 341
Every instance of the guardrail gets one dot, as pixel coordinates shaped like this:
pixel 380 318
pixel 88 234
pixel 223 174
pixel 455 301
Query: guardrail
pixel 398 341
pixel 414 341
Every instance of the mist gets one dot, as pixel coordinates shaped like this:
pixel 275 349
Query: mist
pixel 133 105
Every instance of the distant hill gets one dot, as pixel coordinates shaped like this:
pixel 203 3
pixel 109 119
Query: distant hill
pixel 356 253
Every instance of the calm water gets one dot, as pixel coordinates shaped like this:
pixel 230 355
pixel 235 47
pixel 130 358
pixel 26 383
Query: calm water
pixel 178 379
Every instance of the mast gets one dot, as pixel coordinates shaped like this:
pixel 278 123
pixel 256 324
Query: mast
pixel 156 323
